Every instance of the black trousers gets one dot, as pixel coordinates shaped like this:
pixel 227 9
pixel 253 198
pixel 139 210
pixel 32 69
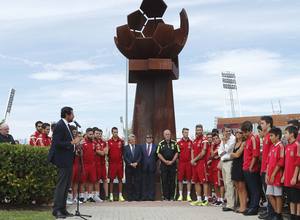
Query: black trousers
pixel 253 185
pixel 133 183
pixel 264 186
pixel 148 189
pixel 168 179
pixel 61 190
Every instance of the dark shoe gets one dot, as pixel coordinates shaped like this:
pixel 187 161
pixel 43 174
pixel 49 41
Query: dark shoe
pixel 277 217
pixel 91 199
pixel 251 212
pixel 67 214
pixel 226 209
pixel 264 215
pixel 261 215
pixel 58 214
pixel 241 212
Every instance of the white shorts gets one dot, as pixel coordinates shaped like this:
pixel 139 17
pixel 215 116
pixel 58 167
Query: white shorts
pixel 274 190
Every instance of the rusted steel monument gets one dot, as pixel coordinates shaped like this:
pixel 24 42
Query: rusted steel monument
pixel 152 48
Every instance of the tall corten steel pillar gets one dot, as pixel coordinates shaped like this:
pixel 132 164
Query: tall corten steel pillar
pixel 152 48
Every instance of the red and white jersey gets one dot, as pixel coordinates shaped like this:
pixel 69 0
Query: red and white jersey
pixel 275 158
pixel 292 160
pixel 215 156
pixel 115 150
pixel 185 150
pixel 199 144
pixel 34 138
pixel 43 141
pixel 88 148
pixel 267 143
pixel 251 150
pixel 99 145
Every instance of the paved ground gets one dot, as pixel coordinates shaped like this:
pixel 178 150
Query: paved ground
pixel 155 211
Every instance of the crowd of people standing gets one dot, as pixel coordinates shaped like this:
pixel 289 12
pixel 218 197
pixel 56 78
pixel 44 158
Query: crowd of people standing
pixel 235 170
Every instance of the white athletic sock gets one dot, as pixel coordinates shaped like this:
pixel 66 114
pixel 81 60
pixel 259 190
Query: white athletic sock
pixel 70 196
pixel 120 194
pixel 205 198
pixel 180 192
pixel 188 193
pixel 199 198
pixel 81 195
pixel 111 194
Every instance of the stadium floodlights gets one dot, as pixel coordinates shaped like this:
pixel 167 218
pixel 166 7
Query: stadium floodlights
pixel 228 75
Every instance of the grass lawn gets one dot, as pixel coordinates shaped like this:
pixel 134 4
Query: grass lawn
pixel 25 215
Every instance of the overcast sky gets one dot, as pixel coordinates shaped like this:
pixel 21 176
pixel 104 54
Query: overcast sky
pixel 57 53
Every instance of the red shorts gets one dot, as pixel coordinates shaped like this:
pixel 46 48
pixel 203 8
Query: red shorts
pixel 75 174
pixel 200 173
pixel 115 170
pixel 210 174
pixel 89 173
pixel 217 178
pixel 101 171
pixel 184 171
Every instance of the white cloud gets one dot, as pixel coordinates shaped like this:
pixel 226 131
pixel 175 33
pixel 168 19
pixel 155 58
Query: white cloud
pixel 76 65
pixel 50 75
pixel 245 62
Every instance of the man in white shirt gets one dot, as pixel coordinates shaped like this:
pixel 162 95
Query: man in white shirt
pixel 225 149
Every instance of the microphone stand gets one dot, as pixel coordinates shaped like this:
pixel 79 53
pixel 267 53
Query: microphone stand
pixel 77 212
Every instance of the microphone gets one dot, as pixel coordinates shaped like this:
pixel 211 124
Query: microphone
pixel 77 124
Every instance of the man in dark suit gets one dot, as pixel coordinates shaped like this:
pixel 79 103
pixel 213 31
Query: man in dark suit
pixel 149 159
pixel 133 156
pixel 61 154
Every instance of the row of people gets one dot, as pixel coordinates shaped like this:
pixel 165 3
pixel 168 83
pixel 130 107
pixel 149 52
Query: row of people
pixel 206 161
pixel 278 166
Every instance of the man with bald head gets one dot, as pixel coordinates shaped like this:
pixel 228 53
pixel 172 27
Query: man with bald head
pixel 5 137
pixel 167 151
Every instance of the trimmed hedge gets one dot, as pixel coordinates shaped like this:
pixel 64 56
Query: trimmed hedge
pixel 25 175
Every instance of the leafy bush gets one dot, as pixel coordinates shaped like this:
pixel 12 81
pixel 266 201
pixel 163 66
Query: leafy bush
pixel 25 175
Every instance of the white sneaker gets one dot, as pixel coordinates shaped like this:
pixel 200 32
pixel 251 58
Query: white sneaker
pixel 85 198
pixel 69 201
pixel 75 201
pixel 97 198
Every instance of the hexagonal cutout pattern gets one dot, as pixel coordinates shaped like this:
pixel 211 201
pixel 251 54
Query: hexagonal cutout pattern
pixel 154 8
pixel 136 20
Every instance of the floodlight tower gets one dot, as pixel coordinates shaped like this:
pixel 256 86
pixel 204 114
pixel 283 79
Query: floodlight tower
pixel 231 93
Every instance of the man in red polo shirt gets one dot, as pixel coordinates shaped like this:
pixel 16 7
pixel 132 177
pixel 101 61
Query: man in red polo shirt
pixel 44 140
pixel 115 158
pixel 89 177
pixel 251 167
pixel 198 162
pixel 266 123
pixel 37 134
pixel 291 172
pixel 101 150
pixel 184 165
